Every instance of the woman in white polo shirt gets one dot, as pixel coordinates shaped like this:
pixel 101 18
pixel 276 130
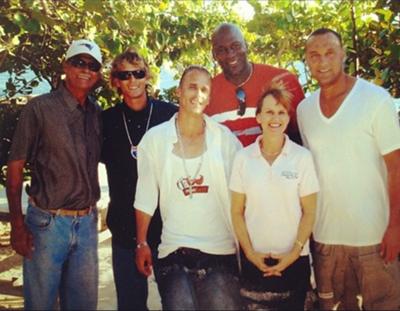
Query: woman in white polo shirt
pixel 274 188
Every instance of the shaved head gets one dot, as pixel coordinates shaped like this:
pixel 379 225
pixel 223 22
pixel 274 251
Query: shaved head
pixel 224 29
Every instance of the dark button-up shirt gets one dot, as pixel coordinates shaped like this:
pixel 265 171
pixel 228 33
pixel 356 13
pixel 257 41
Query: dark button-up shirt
pixel 62 141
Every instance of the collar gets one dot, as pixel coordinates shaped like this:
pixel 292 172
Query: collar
pixel 70 101
pixel 129 112
pixel 255 150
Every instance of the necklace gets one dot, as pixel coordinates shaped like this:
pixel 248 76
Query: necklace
pixel 182 149
pixel 248 78
pixel 133 147
pixel 269 154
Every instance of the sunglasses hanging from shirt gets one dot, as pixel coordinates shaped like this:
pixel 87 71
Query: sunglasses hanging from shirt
pixel 241 94
pixel 241 97
pixel 134 147
pixel 126 75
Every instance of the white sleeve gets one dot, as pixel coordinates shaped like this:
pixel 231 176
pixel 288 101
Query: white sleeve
pixel 236 179
pixel 386 127
pixel 308 176
pixel 300 125
pixel 147 189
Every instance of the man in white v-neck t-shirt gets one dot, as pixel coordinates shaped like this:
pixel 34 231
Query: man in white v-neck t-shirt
pixel 351 128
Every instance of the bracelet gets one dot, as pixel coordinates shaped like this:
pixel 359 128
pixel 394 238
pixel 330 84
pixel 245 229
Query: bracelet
pixel 301 245
pixel 141 244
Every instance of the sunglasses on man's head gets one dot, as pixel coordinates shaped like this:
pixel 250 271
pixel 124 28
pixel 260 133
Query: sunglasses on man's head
pixel 78 62
pixel 241 97
pixel 125 75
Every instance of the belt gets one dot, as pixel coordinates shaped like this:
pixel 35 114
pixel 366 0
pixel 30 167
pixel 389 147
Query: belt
pixel 70 212
pixel 63 211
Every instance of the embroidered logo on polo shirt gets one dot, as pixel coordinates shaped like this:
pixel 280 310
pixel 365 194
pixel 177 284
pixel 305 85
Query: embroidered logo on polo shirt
pixel 290 175
pixel 197 185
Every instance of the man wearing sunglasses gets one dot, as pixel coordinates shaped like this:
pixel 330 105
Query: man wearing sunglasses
pixel 59 135
pixel 123 128
pixel 236 91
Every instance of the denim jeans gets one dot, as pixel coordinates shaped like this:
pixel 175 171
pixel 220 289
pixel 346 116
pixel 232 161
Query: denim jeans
pixel 64 261
pixel 192 280
pixel 130 284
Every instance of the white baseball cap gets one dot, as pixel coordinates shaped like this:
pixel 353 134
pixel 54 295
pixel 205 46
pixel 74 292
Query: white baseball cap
pixel 84 46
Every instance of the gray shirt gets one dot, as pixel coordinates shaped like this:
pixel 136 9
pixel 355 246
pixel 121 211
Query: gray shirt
pixel 62 141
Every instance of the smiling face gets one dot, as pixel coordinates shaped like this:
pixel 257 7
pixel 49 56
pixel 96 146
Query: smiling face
pixel 325 58
pixel 132 89
pixel 273 116
pixel 80 79
pixel 194 92
pixel 230 51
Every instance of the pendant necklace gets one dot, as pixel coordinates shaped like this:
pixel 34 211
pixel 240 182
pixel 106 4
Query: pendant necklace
pixel 183 156
pixel 133 147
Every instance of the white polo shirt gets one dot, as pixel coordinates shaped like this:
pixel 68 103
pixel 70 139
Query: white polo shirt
pixel 273 192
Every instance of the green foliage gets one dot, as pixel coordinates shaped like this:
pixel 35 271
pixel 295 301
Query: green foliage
pixel 34 35
pixel 370 31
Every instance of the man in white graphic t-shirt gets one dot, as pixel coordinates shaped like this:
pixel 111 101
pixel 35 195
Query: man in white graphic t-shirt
pixel 351 128
pixel 184 164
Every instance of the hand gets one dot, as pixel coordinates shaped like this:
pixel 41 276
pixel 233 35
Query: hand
pixel 144 260
pixel 22 240
pixel 258 259
pixel 390 246
pixel 284 261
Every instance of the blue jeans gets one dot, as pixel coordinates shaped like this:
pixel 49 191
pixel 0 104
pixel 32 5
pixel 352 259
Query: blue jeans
pixel 131 285
pixel 192 280
pixel 64 262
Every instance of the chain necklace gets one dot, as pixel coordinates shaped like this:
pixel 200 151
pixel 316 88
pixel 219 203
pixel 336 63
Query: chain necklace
pixel 183 156
pixel 270 154
pixel 133 147
pixel 248 78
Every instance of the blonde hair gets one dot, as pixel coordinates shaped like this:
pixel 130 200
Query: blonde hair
pixel 131 56
pixel 277 90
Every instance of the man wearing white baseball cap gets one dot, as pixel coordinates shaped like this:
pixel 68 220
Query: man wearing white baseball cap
pixel 58 134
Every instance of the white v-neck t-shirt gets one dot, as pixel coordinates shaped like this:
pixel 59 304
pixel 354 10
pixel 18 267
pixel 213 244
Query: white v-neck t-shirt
pixel 348 149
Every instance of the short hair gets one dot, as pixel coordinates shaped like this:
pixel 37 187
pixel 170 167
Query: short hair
pixel 226 27
pixel 277 90
pixel 131 56
pixel 323 31
pixel 192 68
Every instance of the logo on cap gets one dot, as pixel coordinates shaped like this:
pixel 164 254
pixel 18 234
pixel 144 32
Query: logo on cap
pixel 87 45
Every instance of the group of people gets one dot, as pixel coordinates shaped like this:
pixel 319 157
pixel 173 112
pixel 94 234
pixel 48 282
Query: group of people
pixel 215 196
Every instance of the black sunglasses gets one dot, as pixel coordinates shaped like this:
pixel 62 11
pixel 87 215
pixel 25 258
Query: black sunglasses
pixel 241 97
pixel 78 62
pixel 125 75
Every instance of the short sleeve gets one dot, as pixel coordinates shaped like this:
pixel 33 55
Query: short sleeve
pixel 147 189
pixel 236 179
pixel 308 177
pixel 386 128
pixel 26 134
